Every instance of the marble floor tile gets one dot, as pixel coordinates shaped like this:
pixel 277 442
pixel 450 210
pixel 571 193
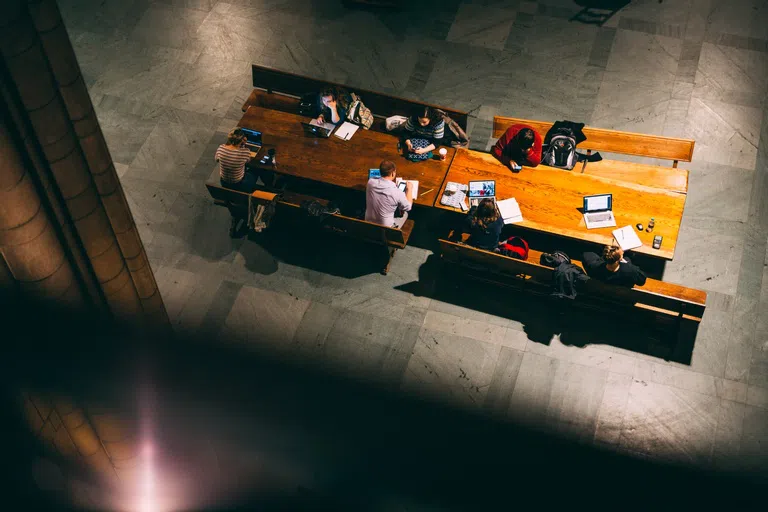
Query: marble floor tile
pixel 740 18
pixel 716 184
pixel 575 399
pixel 587 356
pixel 533 388
pixel 264 319
pixel 451 324
pixel 232 37
pixel 651 10
pixel 186 295
pixel 125 134
pixel 631 107
pixel 171 148
pixel 728 436
pixel 725 74
pixel 451 368
pixel 754 440
pixel 610 417
pixel 650 61
pixel 104 17
pixel 165 25
pixel 478 25
pixel 503 381
pixel 210 85
pixel 670 423
pixel 202 5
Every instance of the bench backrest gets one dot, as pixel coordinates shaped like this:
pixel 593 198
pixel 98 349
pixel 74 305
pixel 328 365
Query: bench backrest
pixel 613 141
pixel 348 226
pixel 385 105
pixel 654 293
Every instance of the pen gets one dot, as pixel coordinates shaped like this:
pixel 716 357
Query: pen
pixel 426 192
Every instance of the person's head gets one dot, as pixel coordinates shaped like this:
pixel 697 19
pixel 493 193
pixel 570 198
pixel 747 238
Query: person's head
pixel 486 213
pixel 425 116
pixel 330 94
pixel 236 137
pixel 388 169
pixel 612 254
pixel 525 138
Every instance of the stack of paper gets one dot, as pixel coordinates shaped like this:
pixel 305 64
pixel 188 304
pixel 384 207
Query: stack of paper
pixel 346 130
pixel 510 210
pixel 627 238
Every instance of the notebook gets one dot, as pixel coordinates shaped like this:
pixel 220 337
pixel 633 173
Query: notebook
pixel 509 210
pixel 346 130
pixel 414 183
pixel 627 238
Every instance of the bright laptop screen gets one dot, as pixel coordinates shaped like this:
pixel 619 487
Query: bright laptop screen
pixel 486 188
pixel 596 203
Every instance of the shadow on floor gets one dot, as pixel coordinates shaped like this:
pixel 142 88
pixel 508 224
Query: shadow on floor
pixel 543 317
pixel 597 12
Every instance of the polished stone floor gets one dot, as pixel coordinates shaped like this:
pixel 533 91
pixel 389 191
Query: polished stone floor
pixel 168 78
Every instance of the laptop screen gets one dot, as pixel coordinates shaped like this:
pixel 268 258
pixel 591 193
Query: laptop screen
pixel 253 136
pixel 485 188
pixel 597 203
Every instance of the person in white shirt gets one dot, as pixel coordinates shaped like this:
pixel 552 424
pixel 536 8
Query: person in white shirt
pixel 383 198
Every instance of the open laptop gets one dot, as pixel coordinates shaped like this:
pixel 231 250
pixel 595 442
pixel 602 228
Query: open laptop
pixel 479 190
pixel 318 130
pixel 598 211
pixel 252 139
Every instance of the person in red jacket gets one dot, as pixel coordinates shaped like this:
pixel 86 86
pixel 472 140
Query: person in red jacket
pixel 520 145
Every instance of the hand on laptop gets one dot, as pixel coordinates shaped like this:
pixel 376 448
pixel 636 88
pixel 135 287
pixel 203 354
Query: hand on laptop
pixel 513 165
pixel 320 119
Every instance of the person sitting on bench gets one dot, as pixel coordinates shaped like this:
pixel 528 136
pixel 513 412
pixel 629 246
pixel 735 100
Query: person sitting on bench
pixel 332 105
pixel 520 145
pixel 484 224
pixel 383 198
pixel 232 157
pixel 426 124
pixel 613 268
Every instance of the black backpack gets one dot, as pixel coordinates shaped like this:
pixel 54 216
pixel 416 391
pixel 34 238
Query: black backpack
pixel 554 259
pixel 561 150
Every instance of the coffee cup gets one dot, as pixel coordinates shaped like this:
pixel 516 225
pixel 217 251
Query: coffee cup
pixel 443 152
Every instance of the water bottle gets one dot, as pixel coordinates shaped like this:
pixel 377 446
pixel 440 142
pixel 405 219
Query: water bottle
pixel 650 225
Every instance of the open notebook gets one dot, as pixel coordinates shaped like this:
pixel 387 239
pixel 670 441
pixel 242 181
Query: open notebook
pixel 627 238
pixel 510 210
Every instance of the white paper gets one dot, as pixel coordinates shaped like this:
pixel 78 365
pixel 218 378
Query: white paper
pixel 627 238
pixel 510 210
pixel 346 130
pixel 414 184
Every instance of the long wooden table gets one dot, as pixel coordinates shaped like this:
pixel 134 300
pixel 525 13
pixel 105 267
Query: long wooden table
pixel 551 200
pixel 343 163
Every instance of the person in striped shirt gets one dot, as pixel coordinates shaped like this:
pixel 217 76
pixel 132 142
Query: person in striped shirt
pixel 232 157
pixel 425 123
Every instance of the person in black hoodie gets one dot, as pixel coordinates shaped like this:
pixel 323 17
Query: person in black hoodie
pixel 613 268
pixel 484 224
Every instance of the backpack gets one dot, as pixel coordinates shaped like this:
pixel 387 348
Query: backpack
pixel 358 113
pixel 514 247
pixel 456 136
pixel 561 150
pixel 554 259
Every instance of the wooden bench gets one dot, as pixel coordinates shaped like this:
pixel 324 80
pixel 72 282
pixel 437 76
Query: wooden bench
pixel 655 297
pixel 281 90
pixel 626 143
pixel 390 238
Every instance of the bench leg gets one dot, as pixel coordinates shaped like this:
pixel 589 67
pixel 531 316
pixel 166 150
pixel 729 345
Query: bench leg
pixel 390 255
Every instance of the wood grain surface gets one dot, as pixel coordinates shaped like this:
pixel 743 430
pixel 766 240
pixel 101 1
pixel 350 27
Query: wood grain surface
pixel 601 139
pixel 551 201
pixel 338 162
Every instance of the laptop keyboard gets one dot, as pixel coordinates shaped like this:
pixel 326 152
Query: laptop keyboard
pixel 599 217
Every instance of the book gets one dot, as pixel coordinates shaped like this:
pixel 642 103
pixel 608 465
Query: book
pixel 346 130
pixel 414 184
pixel 509 210
pixel 627 238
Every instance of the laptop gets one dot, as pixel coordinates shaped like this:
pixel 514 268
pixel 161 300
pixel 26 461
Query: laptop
pixel 598 211
pixel 318 130
pixel 252 139
pixel 479 190
pixel 374 174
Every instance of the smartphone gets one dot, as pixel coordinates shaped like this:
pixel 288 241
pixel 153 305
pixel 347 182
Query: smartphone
pixel 401 185
pixel 657 241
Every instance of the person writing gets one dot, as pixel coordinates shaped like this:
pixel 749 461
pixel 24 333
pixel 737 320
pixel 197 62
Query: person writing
pixel 332 105
pixel 484 225
pixel 425 124
pixel 520 145
pixel 613 268
pixel 232 157
pixel 383 198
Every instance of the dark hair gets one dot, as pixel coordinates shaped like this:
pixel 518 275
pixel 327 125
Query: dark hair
pixel 485 214
pixel 611 254
pixel 236 137
pixel 526 138
pixel 425 111
pixel 387 168
pixel 340 95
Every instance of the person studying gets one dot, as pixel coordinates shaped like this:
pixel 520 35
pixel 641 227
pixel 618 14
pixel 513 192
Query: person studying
pixel 520 145
pixel 383 198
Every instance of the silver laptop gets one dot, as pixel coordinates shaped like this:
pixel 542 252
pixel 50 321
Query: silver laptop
pixel 598 211
pixel 317 129
pixel 479 190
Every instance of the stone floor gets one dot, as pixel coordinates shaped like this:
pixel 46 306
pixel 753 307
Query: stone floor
pixel 168 78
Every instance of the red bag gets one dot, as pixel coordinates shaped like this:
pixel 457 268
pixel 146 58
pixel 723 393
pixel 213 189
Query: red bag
pixel 514 247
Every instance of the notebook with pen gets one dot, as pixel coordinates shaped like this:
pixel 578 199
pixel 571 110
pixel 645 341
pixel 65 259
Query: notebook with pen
pixel 627 238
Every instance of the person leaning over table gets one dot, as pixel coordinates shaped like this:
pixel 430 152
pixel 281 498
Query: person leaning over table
pixel 426 124
pixel 383 198
pixel 520 145
pixel 232 157
pixel 332 105
pixel 613 267
pixel 484 225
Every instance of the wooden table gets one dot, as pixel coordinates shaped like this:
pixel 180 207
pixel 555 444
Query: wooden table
pixel 338 162
pixel 551 200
